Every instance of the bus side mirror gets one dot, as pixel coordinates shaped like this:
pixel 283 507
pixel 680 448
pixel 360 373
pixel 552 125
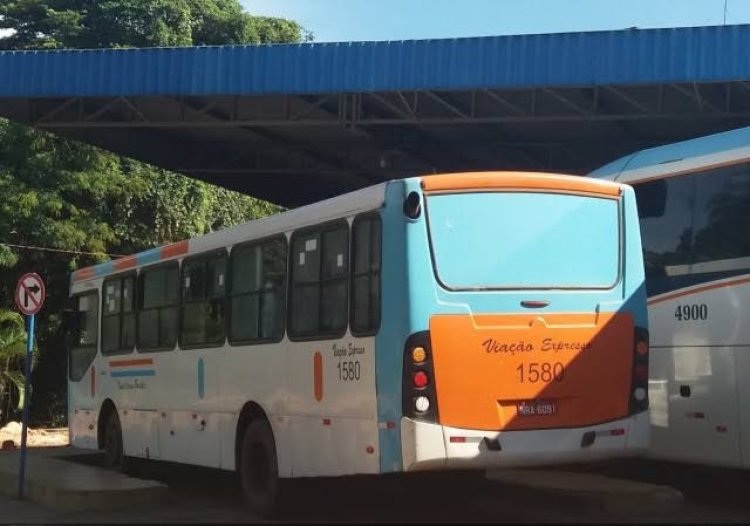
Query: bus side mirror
pixel 651 198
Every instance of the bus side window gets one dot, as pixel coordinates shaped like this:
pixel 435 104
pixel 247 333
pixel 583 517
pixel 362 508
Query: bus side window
pixel 722 211
pixel 203 301
pixel 667 238
pixel 320 282
pixel 118 315
pixel 84 335
pixel 157 307
pixel 258 292
pixel 365 305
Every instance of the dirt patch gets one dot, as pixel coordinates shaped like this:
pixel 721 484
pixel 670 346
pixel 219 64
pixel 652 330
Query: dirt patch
pixel 35 437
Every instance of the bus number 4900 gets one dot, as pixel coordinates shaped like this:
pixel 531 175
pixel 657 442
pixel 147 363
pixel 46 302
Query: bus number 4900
pixel 540 372
pixel 691 312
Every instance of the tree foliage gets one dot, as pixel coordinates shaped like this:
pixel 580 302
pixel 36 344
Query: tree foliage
pixel 12 356
pixel 88 203
pixel 87 24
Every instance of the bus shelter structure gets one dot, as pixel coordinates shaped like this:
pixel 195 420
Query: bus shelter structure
pixel 295 124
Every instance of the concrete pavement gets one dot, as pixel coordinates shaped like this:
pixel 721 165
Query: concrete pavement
pixel 65 485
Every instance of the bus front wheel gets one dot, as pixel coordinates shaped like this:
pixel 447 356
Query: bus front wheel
pixel 114 457
pixel 259 471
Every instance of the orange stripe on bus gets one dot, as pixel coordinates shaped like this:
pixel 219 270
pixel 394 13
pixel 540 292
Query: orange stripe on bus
pixel 520 181
pixel 698 290
pixel 84 273
pixel 318 376
pixel 125 263
pixel 175 249
pixel 126 363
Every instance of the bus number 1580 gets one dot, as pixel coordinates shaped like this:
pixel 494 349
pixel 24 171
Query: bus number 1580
pixel 540 372
pixel 349 371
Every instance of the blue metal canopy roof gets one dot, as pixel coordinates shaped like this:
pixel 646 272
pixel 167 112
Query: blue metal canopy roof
pixel 299 123
pixel 693 54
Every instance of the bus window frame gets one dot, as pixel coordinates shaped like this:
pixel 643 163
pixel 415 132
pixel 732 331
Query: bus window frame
pixel 620 243
pixel 139 309
pixel 320 229
pixel 364 217
pixel 181 303
pixel 231 295
pixel 119 277
pixel 96 294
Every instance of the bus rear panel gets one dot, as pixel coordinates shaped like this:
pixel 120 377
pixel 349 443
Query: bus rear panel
pixel 531 343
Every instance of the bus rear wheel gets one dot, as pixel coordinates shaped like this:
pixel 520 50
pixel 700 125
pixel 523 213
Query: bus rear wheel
pixel 259 471
pixel 114 457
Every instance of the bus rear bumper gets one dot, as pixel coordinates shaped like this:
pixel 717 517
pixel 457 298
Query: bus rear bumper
pixel 428 446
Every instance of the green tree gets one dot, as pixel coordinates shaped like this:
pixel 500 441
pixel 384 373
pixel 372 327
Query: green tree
pixel 12 356
pixel 90 204
pixel 79 24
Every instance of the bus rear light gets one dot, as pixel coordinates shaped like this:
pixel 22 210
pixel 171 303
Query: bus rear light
pixel 639 377
pixel 419 399
pixel 418 354
pixel 422 404
pixel 421 379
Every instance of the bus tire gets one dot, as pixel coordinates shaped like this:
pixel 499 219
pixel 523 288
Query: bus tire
pixel 114 457
pixel 259 470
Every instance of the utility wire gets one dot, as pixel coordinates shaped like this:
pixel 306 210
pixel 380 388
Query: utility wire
pixel 60 250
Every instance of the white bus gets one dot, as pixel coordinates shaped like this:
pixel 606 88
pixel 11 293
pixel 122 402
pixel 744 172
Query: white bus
pixel 694 207
pixel 455 321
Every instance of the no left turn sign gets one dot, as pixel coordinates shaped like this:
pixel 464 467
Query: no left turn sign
pixel 30 294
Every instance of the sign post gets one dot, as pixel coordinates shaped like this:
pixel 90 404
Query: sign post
pixel 30 294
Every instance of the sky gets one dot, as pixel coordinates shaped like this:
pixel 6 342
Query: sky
pixel 352 20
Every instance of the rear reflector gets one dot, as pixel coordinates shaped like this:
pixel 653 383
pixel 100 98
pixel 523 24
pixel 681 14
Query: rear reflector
pixel 457 440
pixel 612 432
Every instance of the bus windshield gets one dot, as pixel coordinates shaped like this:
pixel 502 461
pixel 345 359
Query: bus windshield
pixel 524 240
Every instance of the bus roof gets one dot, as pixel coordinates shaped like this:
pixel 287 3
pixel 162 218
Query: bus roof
pixel 711 151
pixel 369 198
pixel 355 202
pixel 519 180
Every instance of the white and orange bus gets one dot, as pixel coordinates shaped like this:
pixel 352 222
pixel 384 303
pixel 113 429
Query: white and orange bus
pixel 694 200
pixel 468 321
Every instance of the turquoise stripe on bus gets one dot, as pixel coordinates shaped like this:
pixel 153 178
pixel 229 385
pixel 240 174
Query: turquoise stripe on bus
pixel 103 269
pixel 394 329
pixel 149 256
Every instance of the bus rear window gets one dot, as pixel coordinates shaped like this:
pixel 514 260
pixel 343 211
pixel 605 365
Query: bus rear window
pixel 524 240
